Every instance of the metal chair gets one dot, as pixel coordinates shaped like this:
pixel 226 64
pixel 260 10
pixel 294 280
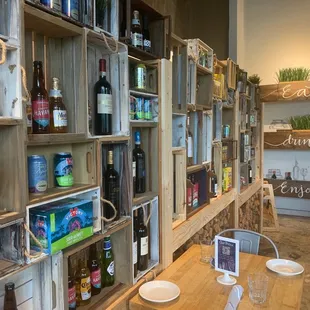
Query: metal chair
pixel 249 240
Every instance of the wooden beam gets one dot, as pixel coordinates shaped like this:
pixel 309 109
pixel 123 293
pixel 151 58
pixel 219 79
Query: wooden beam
pixel 249 192
pixel 187 229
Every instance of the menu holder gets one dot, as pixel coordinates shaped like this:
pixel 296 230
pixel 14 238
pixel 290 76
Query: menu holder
pixel 227 259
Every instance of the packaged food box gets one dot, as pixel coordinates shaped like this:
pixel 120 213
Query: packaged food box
pixel 60 224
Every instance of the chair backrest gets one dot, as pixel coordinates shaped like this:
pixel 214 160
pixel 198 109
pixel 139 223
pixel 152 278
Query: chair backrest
pixel 249 240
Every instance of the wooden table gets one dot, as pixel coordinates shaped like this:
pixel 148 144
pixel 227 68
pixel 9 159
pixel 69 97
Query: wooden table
pixel 200 290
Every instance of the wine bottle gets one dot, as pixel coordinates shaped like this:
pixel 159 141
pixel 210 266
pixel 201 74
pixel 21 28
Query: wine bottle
pixel 136 33
pixel 82 284
pixel 213 182
pixel 134 167
pixel 146 35
pixel 9 297
pixel 58 112
pixel 288 176
pixel 112 184
pixel 138 156
pixel 39 101
pixel 71 287
pixel 143 244
pixel 274 176
pixel 95 270
pixel 107 271
pixel 189 145
pixel 135 254
pixel 250 173
pixel 103 107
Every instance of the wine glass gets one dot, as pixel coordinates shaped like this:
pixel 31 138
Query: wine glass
pixel 304 172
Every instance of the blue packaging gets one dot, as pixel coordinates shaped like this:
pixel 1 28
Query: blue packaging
pixel 61 224
pixel 71 8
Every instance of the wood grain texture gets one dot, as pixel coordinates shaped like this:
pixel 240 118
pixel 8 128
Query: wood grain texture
pixel 287 139
pixel 291 188
pixel 285 91
pixel 200 290
pixel 187 229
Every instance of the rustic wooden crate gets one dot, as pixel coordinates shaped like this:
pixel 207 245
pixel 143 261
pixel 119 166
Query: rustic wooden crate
pixel 152 210
pixel 159 27
pixel 62 51
pixel 117 75
pixel 10 28
pixel 84 168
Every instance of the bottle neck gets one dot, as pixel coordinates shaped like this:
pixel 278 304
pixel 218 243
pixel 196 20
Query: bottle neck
pixel 38 78
pixel 137 144
pixel 102 75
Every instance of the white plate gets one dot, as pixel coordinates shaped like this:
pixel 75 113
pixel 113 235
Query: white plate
pixel 159 291
pixel 284 267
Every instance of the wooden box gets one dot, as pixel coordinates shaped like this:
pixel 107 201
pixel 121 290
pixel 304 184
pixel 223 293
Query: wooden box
pixel 152 213
pixel 90 194
pixel 10 26
pixel 116 57
pixel 84 168
pixel 159 28
pixel 61 47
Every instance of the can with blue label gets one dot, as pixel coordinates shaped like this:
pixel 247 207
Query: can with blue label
pixel 139 108
pixel 37 174
pixel 71 8
pixel 226 131
pixel 148 109
pixel 63 167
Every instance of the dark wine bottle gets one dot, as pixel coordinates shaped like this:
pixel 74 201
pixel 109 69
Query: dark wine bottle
pixel 274 176
pixel 138 156
pixel 103 107
pixel 250 174
pixel 143 243
pixel 213 182
pixel 135 254
pixel 112 183
pixel 146 35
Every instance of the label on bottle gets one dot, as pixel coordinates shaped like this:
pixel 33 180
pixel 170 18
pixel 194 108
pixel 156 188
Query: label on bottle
pixel 140 169
pixel 72 297
pixel 144 246
pixel 96 278
pixel 104 104
pixel 189 147
pixel 41 112
pixel 189 197
pixel 110 269
pixel 136 39
pixel 135 21
pixel 60 118
pixel 29 115
pixel 147 44
pixel 133 169
pixel 215 188
pixel 246 118
pixel 85 288
pixel 251 173
pixel 195 195
pixel 135 252
pixel 113 192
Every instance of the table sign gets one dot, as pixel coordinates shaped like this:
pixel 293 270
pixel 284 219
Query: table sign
pixel 227 259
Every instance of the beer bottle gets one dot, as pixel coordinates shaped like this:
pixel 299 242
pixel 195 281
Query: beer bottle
pixel 95 270
pixel 9 297
pixel 39 101
pixel 107 271
pixel 82 284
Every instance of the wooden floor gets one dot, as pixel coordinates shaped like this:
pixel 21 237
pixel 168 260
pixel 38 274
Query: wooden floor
pixel 293 242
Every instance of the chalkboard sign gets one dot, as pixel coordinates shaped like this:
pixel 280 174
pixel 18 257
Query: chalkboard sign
pixel 227 259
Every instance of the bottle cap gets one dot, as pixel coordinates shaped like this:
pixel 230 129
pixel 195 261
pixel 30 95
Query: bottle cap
pixel 102 65
pixel 9 286
pixel 55 91
pixel 37 64
pixel 137 137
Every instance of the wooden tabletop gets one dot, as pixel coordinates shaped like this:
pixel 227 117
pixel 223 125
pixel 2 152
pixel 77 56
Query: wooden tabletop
pixel 200 290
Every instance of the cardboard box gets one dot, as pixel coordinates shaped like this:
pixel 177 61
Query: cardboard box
pixel 61 224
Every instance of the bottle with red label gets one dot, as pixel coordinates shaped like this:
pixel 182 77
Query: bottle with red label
pixel 95 270
pixel 39 101
pixel 71 287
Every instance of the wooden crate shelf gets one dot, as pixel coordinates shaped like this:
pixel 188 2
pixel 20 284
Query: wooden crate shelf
pixel 47 139
pixel 140 199
pixel 143 124
pixel 143 94
pixel 8 121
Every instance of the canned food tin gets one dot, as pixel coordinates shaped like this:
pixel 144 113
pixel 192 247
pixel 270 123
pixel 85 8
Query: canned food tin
pixel 37 174
pixel 132 108
pixel 71 8
pixel 139 108
pixel 63 166
pixel 148 109
pixel 226 131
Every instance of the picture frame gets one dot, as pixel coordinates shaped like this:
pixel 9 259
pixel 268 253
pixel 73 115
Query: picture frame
pixel 227 259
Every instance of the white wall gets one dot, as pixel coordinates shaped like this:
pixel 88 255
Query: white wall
pixel 275 35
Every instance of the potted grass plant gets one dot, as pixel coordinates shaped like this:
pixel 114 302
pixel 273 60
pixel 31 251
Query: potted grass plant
pixel 293 75
pixel 300 123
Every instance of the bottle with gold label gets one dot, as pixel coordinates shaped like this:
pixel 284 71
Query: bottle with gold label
pixel 83 284
pixel 58 113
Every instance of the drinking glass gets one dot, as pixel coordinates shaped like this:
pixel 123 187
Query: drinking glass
pixel 258 286
pixel 206 252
